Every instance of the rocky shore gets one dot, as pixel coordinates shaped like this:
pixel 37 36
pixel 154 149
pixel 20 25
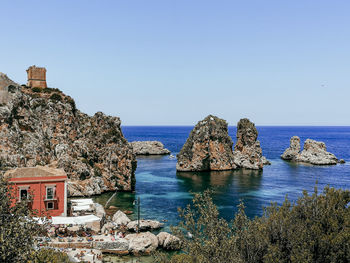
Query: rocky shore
pixel 44 127
pixel 314 152
pixel 209 147
pixel 149 148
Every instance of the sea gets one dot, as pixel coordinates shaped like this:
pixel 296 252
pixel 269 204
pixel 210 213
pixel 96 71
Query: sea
pixel 162 190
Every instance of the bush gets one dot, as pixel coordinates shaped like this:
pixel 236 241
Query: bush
pixel 316 228
pixel 56 97
pixel 36 89
pixel 97 171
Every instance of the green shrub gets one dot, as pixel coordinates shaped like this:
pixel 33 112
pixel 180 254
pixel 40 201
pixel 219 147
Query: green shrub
pixel 56 97
pixel 36 89
pixel 316 228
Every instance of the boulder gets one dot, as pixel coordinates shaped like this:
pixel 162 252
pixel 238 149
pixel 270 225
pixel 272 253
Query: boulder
pixel 314 152
pixel 119 219
pixel 142 243
pixel 208 147
pixel 145 225
pixel 293 150
pixel 248 153
pixel 119 244
pixel 168 241
pixel 149 148
pixel 341 161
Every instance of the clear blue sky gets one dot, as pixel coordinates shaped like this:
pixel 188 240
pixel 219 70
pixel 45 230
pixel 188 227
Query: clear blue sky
pixel 174 62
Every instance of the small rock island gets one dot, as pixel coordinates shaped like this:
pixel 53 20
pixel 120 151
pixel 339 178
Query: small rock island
pixel 314 152
pixel 149 148
pixel 248 153
pixel 208 148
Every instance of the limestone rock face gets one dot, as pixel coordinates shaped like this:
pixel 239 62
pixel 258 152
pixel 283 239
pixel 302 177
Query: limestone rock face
pixel 149 148
pixel 208 148
pixel 145 225
pixel 293 150
pixel 248 153
pixel 314 152
pixel 43 127
pixel 142 243
pixel 168 241
pixel 119 218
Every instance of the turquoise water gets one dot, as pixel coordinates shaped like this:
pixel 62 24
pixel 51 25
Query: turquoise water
pixel 162 190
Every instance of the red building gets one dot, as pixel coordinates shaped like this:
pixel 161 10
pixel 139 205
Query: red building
pixel 45 189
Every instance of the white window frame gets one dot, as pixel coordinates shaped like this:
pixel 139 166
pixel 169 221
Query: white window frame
pixel 20 188
pixel 53 192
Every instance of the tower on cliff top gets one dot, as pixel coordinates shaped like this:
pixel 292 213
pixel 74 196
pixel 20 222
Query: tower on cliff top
pixel 36 77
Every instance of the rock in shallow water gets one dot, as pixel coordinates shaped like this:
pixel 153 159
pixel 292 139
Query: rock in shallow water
pixel 248 153
pixel 314 152
pixel 149 148
pixel 168 241
pixel 142 243
pixel 208 148
pixel 145 225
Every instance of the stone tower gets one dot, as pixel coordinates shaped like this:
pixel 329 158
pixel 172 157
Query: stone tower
pixel 36 77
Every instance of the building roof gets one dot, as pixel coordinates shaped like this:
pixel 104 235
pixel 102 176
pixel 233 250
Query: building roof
pixel 36 173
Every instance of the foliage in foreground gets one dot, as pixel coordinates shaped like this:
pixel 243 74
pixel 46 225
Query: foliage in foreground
pixel 316 228
pixel 17 232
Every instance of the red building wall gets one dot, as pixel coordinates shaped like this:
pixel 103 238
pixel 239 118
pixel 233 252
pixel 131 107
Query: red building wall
pixel 37 190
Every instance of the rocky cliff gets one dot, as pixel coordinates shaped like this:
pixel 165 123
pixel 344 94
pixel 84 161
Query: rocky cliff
pixel 248 153
pixel 314 152
pixel 43 127
pixel 208 148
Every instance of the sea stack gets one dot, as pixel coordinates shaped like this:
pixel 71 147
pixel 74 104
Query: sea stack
pixel 314 152
pixel 248 153
pixel 208 148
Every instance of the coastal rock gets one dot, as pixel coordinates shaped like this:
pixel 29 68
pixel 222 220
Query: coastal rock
pixel 293 150
pixel 142 243
pixel 248 153
pixel 208 148
pixel 43 127
pixel 119 244
pixel 314 152
pixel 149 148
pixel 341 161
pixel 145 225
pixel 119 219
pixel 168 241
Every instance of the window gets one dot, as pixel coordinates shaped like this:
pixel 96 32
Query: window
pixel 50 205
pixel 50 193
pixel 23 194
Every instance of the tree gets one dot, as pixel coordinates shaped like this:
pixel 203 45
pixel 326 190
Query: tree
pixel 18 229
pixel 316 228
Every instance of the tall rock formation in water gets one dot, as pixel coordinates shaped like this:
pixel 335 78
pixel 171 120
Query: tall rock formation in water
pixel 208 148
pixel 43 127
pixel 314 152
pixel 248 153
